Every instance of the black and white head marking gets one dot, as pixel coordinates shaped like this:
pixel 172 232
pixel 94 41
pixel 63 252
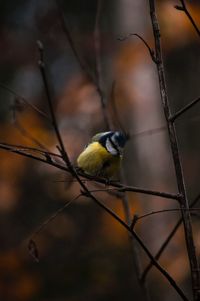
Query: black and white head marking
pixel 112 147
pixel 114 142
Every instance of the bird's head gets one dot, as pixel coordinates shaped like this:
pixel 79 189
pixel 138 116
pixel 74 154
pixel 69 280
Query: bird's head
pixel 113 141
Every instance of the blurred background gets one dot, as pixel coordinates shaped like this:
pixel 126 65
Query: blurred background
pixel 84 253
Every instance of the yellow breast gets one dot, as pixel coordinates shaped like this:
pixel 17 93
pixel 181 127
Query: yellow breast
pixel 96 160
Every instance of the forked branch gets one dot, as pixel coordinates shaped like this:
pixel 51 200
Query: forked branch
pixel 167 241
pixel 184 9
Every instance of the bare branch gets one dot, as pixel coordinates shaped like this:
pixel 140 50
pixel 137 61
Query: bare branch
pixel 33 250
pixel 166 242
pixel 3 86
pixel 139 217
pixel 151 51
pixel 146 191
pixel 54 121
pixel 22 150
pixel 29 136
pixel 194 267
pixel 68 35
pixel 135 248
pixel 184 9
pixel 163 128
pixel 52 217
pixel 184 109
pixel 98 81
pixel 28 148
pixel 149 132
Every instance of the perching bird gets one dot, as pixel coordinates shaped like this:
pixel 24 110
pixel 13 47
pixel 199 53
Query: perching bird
pixel 102 156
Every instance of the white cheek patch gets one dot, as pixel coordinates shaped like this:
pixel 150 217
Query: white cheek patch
pixel 110 148
pixel 119 149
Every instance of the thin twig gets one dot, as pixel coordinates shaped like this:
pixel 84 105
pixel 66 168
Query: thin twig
pixel 83 66
pixel 52 217
pixel 139 217
pixel 145 191
pixel 164 128
pixel 184 109
pixel 161 250
pixel 32 247
pixel 29 136
pixel 135 248
pixel 194 267
pixel 148 132
pixel 166 242
pixel 3 86
pixel 25 152
pixel 183 8
pixel 197 215
pixel 123 188
pixel 99 81
pixel 28 148
pixel 151 51
pixel 17 107
pixel 53 116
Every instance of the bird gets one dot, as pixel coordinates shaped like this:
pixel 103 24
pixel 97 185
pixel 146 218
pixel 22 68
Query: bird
pixel 102 156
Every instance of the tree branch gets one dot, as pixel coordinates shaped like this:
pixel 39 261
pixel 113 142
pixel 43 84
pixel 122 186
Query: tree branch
pixel 194 267
pixel 32 247
pixel 134 246
pixel 98 81
pixel 166 242
pixel 21 150
pixel 3 86
pixel 183 8
pixel 184 109
pixel 68 35
pixel 139 217
pixel 53 117
pixel 124 188
pixel 151 51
